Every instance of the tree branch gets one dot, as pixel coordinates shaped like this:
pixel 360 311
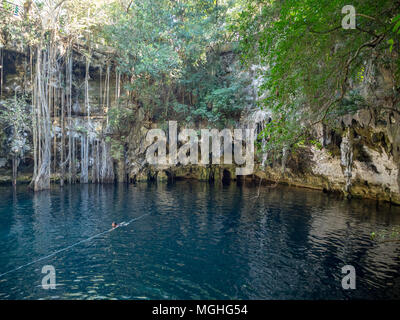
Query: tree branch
pixel 323 32
pixel 371 43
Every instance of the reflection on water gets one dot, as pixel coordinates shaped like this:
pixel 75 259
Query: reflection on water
pixel 199 242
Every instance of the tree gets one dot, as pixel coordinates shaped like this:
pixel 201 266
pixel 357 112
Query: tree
pixel 313 65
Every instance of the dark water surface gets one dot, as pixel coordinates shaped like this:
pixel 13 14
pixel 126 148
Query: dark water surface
pixel 198 242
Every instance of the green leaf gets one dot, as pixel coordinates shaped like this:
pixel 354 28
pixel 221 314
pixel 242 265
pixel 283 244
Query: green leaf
pixel 396 26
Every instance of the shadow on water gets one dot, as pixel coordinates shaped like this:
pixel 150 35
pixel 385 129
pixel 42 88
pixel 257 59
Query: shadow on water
pixel 200 241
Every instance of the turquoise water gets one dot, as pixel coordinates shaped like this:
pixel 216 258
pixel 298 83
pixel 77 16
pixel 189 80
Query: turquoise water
pixel 198 241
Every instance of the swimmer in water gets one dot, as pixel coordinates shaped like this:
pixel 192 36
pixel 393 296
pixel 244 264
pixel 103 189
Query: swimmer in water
pixel 114 225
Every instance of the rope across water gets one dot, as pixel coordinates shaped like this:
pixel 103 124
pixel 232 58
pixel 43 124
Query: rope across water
pixel 122 224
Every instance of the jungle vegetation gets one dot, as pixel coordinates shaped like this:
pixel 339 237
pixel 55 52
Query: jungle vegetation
pixel 313 67
pixel 163 59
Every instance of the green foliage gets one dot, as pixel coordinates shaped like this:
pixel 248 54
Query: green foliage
pixel 16 123
pixel 120 119
pixel 172 53
pixel 316 143
pixel 309 60
pixel 117 147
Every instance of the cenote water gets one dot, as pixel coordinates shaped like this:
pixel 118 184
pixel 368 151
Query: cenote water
pixel 198 241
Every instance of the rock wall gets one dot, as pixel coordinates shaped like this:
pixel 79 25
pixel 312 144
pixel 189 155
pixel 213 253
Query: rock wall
pixel 357 163
pixel 360 159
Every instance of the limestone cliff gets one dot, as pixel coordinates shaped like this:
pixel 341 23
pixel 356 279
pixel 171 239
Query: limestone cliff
pixel 359 157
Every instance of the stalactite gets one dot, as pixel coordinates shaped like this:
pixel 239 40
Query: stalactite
pixel 264 152
pixel 346 158
pixel 258 121
pixel 101 89
pixel 106 169
pixel 85 137
pixel 107 92
pixel 1 72
pixel 97 164
pixel 62 166
pixel 14 169
pixel 285 156
pixel 69 97
pixel 104 93
pixel 73 159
